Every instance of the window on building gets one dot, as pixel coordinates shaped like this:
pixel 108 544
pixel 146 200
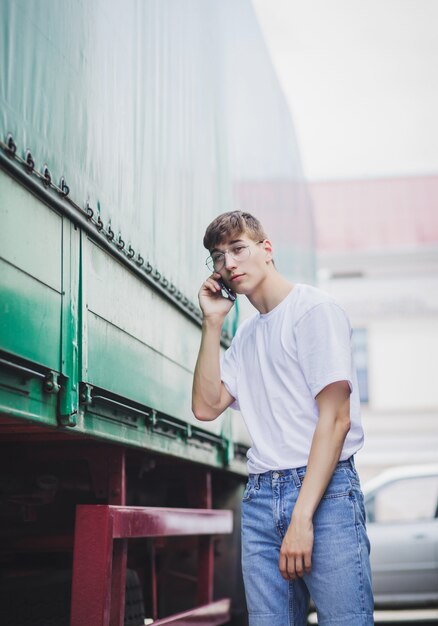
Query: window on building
pixel 360 350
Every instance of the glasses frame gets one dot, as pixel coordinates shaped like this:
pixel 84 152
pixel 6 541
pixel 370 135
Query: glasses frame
pixel 227 251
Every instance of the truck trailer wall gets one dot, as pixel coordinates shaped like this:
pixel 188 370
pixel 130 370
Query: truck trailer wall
pixel 156 116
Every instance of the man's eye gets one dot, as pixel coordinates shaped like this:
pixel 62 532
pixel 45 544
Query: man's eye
pixel 217 257
pixel 238 249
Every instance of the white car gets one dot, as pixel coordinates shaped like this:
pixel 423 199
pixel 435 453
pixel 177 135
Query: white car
pixel 402 520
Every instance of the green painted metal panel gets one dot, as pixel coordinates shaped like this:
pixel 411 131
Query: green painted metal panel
pixel 30 234
pixel 128 367
pixel 92 331
pixel 114 294
pixel 31 267
pixel 138 346
pixel 138 435
pixel 30 317
pixel 22 396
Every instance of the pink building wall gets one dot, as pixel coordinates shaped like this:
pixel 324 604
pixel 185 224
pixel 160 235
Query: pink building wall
pixel 376 213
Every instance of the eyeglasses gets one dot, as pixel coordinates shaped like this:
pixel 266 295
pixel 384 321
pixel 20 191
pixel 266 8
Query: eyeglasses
pixel 238 252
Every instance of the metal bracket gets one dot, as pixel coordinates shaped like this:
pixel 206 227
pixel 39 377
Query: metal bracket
pixel 51 384
pixel 85 396
pixel 166 426
pixel 153 418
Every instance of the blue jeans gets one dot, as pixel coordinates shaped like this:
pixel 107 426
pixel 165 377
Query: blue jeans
pixel 340 579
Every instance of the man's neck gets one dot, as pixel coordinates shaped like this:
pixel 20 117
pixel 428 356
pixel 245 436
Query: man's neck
pixel 270 292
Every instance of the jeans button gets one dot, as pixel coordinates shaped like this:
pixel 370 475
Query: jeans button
pixel 276 475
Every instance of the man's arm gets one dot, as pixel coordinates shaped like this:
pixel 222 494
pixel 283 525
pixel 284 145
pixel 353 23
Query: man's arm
pixel 209 396
pixel 332 428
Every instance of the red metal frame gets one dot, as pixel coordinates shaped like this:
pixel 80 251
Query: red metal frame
pixel 200 490
pixel 117 495
pixel 97 597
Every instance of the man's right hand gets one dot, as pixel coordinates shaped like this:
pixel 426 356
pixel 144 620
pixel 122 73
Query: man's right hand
pixel 211 300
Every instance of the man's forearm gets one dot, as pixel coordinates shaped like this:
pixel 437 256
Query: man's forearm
pixel 206 392
pixel 327 444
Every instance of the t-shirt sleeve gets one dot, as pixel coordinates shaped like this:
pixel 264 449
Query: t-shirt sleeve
pixel 323 339
pixel 229 369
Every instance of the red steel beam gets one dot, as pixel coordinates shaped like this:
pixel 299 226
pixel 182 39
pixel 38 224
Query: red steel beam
pixel 205 570
pixel 117 495
pixel 199 489
pixel 132 521
pixel 92 567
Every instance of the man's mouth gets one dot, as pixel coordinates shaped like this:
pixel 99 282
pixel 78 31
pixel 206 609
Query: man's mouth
pixel 236 276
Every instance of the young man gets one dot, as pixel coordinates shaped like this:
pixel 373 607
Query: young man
pixel 289 370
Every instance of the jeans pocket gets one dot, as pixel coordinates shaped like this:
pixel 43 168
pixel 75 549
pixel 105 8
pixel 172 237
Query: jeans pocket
pixel 353 477
pixel 339 485
pixel 249 491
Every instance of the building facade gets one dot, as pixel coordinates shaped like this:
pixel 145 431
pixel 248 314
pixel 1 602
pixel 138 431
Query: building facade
pixel 377 242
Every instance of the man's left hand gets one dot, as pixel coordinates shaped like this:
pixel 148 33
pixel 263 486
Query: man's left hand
pixel 296 549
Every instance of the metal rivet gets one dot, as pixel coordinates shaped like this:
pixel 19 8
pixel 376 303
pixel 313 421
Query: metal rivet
pixel 30 163
pixel 47 178
pixel 110 233
pixel 65 189
pixel 12 147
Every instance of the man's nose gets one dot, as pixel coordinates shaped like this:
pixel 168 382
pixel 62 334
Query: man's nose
pixel 229 262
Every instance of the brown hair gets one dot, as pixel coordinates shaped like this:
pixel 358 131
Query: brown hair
pixel 230 226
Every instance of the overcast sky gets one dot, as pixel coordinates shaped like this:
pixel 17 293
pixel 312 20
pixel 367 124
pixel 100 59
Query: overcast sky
pixel 361 80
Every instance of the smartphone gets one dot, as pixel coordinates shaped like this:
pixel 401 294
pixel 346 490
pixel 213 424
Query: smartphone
pixel 226 291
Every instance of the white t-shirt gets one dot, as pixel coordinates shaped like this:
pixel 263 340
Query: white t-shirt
pixel 277 364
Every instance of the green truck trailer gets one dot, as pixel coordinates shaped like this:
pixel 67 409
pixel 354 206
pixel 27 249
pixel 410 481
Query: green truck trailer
pixel 124 129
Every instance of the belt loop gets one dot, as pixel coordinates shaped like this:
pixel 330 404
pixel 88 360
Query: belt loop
pixel 296 478
pixel 257 481
pixel 353 466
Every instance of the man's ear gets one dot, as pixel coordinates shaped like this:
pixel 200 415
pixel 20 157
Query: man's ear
pixel 269 252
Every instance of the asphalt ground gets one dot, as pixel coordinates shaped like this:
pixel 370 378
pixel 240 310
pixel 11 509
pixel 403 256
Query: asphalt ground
pixel 398 618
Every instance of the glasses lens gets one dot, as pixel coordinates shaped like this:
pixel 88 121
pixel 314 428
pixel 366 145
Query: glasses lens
pixel 240 253
pixel 216 261
pixel 211 264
